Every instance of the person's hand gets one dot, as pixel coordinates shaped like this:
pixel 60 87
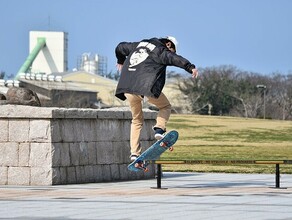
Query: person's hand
pixel 119 67
pixel 195 73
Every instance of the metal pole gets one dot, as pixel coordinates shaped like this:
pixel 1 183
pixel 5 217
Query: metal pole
pixel 264 88
pixel 277 175
pixel 159 174
pixel 264 103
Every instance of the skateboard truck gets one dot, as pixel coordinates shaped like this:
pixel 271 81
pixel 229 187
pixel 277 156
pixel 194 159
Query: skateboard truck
pixel 164 144
pixel 142 165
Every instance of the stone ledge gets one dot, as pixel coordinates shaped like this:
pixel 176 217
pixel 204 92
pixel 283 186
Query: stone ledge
pixel 49 146
pixel 20 111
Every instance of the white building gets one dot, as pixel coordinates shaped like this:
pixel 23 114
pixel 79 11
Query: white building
pixel 53 56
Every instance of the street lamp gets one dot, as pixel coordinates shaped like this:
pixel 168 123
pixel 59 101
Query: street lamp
pixel 264 88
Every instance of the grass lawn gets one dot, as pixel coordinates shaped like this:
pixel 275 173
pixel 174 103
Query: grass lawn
pixel 230 138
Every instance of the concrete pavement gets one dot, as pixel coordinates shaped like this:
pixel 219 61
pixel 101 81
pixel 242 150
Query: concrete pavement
pixel 188 196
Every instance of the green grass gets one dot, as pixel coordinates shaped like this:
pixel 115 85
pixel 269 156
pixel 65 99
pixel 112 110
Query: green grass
pixel 227 138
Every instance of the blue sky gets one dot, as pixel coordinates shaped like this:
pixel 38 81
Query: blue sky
pixel 253 35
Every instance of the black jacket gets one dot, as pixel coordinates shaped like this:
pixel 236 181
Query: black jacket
pixel 144 67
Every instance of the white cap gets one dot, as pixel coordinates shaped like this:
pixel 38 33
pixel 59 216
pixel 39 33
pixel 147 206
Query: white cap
pixel 173 40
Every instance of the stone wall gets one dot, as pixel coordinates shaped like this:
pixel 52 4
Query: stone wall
pixel 48 146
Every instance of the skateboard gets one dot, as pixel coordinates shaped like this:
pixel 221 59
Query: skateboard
pixel 154 152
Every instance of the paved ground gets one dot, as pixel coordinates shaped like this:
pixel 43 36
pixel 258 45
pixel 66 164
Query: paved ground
pixel 189 196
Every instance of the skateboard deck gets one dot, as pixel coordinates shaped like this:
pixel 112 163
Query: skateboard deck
pixel 154 152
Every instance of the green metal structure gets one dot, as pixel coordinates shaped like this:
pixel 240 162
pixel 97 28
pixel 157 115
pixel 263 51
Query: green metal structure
pixel 41 42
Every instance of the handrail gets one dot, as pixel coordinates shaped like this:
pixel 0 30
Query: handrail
pixel 206 161
pixel 276 162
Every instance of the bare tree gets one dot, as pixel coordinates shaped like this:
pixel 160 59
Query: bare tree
pixel 229 91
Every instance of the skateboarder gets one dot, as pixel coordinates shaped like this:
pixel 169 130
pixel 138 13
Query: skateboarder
pixel 143 71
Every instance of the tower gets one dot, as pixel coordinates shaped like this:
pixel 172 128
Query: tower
pixel 53 56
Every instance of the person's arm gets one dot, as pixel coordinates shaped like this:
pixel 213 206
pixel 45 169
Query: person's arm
pixel 172 59
pixel 123 50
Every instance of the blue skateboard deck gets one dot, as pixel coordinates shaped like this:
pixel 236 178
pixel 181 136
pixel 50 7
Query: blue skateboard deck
pixel 154 152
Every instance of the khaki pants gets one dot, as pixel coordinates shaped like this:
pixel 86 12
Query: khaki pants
pixel 135 102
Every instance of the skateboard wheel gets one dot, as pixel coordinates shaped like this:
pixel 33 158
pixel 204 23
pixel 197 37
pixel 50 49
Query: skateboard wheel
pixel 171 149
pixel 138 165
pixel 162 144
pixel 146 169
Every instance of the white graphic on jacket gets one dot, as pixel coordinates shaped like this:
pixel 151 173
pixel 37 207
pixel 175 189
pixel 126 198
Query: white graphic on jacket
pixel 141 54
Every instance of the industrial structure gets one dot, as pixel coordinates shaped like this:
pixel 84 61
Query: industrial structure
pixel 92 63
pixel 47 53
pixel 45 71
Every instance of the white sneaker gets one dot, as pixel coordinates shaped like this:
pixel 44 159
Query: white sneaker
pixel 133 157
pixel 158 133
